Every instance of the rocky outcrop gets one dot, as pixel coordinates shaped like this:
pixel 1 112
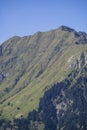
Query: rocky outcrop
pixel 80 62
pixel 81 38
pixel 63 107
pixel 65 28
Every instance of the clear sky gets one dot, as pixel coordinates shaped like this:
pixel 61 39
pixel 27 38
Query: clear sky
pixel 25 17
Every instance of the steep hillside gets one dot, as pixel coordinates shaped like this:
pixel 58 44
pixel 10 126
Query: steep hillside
pixel 62 107
pixel 30 65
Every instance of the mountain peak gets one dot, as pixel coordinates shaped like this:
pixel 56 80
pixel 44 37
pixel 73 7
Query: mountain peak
pixel 65 28
pixel 30 65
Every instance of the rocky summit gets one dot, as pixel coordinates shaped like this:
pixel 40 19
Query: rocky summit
pixel 43 81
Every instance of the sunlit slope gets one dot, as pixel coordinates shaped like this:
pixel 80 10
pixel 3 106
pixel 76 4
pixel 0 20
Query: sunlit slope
pixel 32 64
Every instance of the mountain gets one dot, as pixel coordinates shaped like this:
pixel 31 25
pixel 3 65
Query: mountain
pixel 43 80
pixel 64 106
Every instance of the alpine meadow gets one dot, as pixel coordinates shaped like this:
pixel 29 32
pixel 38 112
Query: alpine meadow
pixel 43 81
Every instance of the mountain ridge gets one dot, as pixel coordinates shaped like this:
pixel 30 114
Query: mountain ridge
pixel 32 64
pixel 62 27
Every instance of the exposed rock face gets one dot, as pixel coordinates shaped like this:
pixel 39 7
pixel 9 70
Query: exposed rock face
pixel 65 28
pixel 81 38
pixel 80 62
pixel 69 100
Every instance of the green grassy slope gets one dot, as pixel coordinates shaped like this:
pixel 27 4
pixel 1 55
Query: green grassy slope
pixel 31 64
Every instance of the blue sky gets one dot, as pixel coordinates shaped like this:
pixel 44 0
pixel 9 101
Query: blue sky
pixel 25 17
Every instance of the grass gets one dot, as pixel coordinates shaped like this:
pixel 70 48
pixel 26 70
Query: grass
pixel 26 94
